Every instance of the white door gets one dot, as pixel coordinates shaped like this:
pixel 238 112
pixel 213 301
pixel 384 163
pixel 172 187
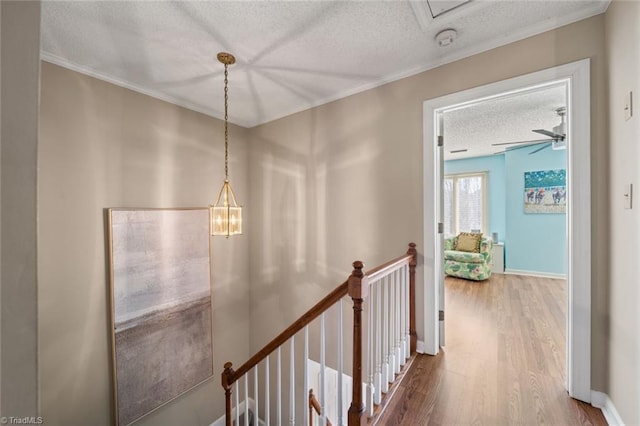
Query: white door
pixel 440 223
pixel 577 76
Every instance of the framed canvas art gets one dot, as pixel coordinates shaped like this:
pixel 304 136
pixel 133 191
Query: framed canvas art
pixel 160 283
pixel 545 191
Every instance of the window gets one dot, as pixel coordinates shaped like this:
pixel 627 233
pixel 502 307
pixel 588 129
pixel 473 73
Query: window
pixel 465 206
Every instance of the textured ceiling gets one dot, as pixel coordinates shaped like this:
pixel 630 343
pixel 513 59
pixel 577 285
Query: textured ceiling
pixel 510 118
pixel 290 55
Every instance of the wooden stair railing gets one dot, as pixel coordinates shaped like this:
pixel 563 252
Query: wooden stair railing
pixel 394 285
pixel 314 405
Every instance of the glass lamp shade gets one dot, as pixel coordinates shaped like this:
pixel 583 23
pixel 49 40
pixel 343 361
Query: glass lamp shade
pixel 225 214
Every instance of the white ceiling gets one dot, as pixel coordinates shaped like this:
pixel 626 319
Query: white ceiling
pixel 290 55
pixel 509 118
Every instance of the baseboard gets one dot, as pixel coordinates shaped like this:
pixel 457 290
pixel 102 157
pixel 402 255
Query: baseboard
pixel 535 274
pixel 602 401
pixel 420 347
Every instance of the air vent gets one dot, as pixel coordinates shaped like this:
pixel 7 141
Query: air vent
pixel 440 7
pixel 426 11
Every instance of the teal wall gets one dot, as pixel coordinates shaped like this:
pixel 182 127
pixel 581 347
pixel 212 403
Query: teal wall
pixel 534 242
pixel 494 166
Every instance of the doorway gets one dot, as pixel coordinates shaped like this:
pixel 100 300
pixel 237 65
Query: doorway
pixel 578 328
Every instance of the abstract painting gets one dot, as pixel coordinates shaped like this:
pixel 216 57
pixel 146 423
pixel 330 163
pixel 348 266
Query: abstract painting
pixel 545 191
pixel 160 306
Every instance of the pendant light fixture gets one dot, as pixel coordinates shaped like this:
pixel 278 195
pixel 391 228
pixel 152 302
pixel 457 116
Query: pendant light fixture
pixel 226 214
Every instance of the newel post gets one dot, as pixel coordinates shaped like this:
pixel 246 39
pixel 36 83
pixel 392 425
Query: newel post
pixel 412 297
pixel 227 382
pixel 358 290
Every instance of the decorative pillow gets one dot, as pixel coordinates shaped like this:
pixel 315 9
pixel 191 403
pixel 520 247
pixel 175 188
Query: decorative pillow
pixel 469 242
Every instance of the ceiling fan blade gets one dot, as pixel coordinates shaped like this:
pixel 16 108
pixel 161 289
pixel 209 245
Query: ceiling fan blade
pixel 515 148
pixel 553 135
pixel 533 142
pixel 541 148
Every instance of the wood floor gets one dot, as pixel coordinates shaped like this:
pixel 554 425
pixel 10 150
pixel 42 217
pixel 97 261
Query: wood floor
pixel 503 362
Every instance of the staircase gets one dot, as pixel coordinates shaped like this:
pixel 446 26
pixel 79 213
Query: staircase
pixel 383 340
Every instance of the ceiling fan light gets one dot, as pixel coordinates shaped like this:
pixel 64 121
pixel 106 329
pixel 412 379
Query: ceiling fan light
pixel 559 145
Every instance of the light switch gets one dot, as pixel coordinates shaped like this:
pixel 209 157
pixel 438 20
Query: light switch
pixel 628 196
pixel 628 106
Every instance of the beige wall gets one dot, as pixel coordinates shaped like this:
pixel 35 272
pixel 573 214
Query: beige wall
pixel 20 51
pixel 344 181
pixel 104 146
pixel 623 43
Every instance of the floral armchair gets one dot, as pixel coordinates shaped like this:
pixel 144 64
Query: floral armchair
pixel 468 265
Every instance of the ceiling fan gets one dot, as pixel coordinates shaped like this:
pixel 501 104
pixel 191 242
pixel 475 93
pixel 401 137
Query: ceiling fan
pixel 556 138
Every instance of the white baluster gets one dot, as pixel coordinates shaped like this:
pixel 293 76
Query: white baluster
pixel 369 307
pixel 407 320
pixel 403 331
pixel 396 320
pixel 279 388
pixel 246 400
pixel 392 328
pixel 292 384
pixel 267 392
pixel 305 390
pixel 323 388
pixel 256 396
pixel 340 363
pixel 385 335
pixel 237 392
pixel 378 396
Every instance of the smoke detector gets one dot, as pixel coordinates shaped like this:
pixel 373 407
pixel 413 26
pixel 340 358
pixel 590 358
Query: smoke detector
pixel 446 37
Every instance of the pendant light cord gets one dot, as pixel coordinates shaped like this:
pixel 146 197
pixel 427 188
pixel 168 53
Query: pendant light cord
pixel 226 118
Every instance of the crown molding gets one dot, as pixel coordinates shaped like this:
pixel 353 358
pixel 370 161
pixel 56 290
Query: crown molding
pixel 57 60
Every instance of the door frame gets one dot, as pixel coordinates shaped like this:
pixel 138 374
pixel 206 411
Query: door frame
pixel 577 75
